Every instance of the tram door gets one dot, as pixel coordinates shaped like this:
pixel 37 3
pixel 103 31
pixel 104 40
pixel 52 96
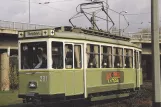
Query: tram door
pixel 74 69
pixel 137 64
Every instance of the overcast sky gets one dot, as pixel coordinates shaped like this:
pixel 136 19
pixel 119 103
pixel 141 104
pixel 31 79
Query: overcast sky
pixel 58 12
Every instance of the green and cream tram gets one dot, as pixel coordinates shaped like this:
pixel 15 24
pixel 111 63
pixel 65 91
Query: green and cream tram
pixel 68 63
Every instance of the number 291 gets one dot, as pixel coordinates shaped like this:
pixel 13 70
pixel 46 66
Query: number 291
pixel 43 78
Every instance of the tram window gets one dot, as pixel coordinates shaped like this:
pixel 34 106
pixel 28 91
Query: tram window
pixel 93 56
pixel 118 57
pixel 128 58
pixel 106 57
pixel 140 59
pixel 77 56
pixel 136 60
pixel 69 56
pixel 34 55
pixel 57 55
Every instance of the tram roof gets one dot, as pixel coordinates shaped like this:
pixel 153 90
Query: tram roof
pixel 68 32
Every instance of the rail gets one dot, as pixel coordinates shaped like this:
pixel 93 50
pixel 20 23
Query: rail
pixel 26 26
pixel 141 36
pixel 21 26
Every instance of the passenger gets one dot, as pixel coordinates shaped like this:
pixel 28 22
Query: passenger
pixel 55 57
pixel 42 58
pixel 25 58
pixel 69 57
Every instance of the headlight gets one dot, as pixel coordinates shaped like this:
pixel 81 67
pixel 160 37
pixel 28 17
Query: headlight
pixel 20 34
pixel 32 84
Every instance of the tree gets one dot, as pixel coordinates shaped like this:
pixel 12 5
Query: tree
pixel 145 30
pixel 148 30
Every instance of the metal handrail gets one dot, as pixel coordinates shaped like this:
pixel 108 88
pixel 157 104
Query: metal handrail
pixel 26 26
pixel 141 36
pixel 21 26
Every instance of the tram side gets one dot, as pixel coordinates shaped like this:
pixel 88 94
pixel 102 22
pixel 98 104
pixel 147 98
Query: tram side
pixel 67 68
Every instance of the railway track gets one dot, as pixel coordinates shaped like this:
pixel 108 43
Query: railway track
pixel 140 99
pixel 125 102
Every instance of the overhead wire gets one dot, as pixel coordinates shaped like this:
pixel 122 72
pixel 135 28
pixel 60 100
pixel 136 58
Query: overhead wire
pixel 102 8
pixel 97 17
pixel 24 1
pixel 50 6
pixel 126 22
pixel 53 8
pixel 92 7
pixel 41 4
pixel 139 13
pixel 61 1
pixel 75 16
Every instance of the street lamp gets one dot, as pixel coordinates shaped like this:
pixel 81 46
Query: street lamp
pixel 119 21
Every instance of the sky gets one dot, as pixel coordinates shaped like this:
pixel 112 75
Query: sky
pixel 58 13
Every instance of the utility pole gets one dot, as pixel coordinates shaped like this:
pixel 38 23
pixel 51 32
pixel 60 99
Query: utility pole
pixel 107 13
pixel 119 25
pixel 120 22
pixel 29 11
pixel 155 53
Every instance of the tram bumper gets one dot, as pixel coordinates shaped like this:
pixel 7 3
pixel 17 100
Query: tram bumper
pixel 31 94
pixel 29 97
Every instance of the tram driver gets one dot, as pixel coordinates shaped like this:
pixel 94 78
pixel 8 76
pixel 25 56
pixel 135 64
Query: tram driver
pixel 42 59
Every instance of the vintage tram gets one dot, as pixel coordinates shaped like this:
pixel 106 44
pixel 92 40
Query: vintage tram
pixel 67 63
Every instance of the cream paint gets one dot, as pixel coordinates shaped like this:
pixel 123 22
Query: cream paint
pixel 65 41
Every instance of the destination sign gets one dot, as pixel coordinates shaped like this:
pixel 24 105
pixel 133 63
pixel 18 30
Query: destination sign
pixel 33 33
pixel 112 77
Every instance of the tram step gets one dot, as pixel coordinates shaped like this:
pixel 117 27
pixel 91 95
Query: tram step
pixel 109 97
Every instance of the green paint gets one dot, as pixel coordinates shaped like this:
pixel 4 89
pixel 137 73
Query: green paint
pixel 96 79
pixel 43 87
pixel 109 97
pixel 112 87
pixel 69 82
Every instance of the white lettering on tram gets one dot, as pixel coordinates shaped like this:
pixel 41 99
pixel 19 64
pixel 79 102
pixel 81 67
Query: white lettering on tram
pixel 33 33
pixel 43 78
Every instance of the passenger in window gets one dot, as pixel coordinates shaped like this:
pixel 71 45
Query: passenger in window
pixel 42 58
pixel 69 56
pixel 104 62
pixel 55 58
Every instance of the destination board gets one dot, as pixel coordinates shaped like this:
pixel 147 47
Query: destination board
pixel 33 33
pixel 112 77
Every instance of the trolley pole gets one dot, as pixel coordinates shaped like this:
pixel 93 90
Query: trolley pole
pixel 93 21
pixel 155 53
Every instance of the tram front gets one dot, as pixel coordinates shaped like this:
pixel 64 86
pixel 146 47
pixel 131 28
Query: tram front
pixel 33 66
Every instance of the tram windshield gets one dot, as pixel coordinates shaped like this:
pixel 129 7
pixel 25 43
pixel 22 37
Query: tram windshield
pixel 34 55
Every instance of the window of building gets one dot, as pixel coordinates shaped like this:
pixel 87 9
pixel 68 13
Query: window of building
pixel 106 57
pixel 118 57
pixel 57 55
pixel 69 62
pixel 77 56
pixel 128 58
pixel 93 56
